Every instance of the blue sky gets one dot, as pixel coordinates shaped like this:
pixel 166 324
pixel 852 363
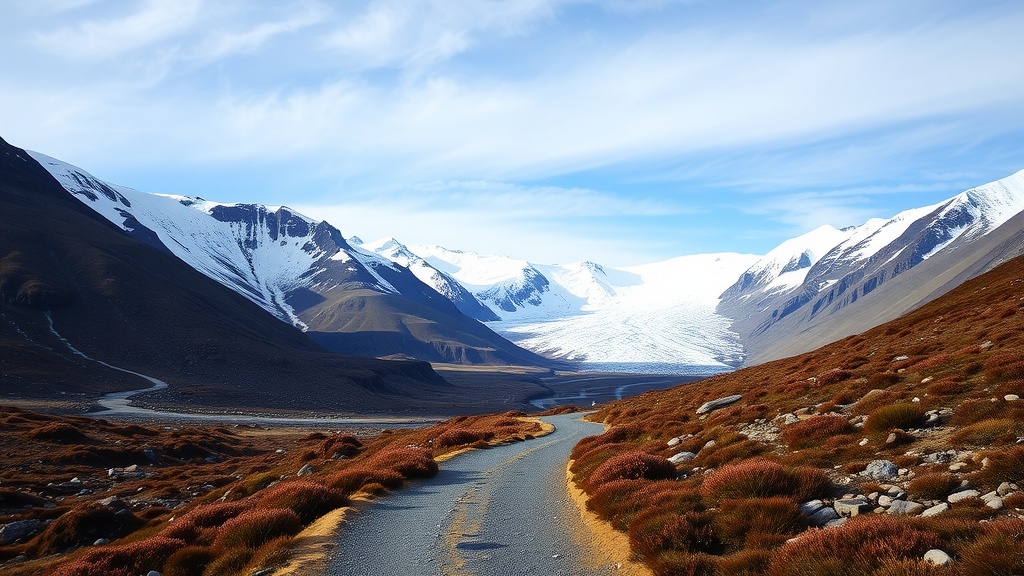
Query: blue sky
pixel 554 130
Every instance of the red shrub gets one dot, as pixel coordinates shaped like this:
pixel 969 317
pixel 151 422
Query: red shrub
pixel 352 480
pixel 815 430
pixel 613 435
pixel 778 517
pixel 1005 465
pixel 999 551
pixel 632 465
pixel 973 411
pixel 190 525
pixel 935 486
pixel 654 531
pixel 310 501
pixel 124 560
pixel 860 546
pixel 409 462
pixel 459 436
pixel 256 527
pixel 833 376
pixel 903 415
pixel 189 561
pixel 83 525
pixel 341 446
pixel 754 478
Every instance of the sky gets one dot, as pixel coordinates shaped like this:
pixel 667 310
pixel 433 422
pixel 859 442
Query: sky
pixel 621 132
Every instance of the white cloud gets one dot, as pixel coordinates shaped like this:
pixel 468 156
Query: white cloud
pixel 152 23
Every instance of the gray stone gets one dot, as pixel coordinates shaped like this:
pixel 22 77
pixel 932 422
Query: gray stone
pixel 153 573
pixel 885 500
pixel 935 510
pixel 114 502
pixel 673 442
pixel 851 507
pixel 905 508
pixel 823 516
pixel 937 557
pixel 810 507
pixel 306 470
pixel 101 542
pixel 881 470
pixel 962 495
pixel 836 523
pixel 1011 397
pixel 709 444
pixel 1006 488
pixel 682 457
pixel 716 404
pixel 994 503
pixel 19 530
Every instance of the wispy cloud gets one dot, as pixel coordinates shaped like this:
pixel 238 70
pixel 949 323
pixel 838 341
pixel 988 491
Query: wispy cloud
pixel 106 38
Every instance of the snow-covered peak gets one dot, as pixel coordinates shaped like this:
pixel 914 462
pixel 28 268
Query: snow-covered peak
pixel 473 270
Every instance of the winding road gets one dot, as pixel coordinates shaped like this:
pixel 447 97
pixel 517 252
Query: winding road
pixel 502 511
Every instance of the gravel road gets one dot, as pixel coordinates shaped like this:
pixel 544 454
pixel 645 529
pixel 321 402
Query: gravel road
pixel 502 511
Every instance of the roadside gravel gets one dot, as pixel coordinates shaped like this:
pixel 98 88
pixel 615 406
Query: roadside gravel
pixel 497 512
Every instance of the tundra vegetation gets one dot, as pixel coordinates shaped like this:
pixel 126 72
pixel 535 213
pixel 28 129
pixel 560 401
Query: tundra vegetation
pixel 894 452
pixel 88 497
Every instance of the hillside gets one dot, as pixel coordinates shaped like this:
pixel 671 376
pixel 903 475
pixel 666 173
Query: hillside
pixel 915 428
pixel 829 284
pixel 68 278
pixel 302 271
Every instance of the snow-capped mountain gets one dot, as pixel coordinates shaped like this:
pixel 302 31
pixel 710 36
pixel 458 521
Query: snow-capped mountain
pixel 298 269
pixel 444 284
pixel 873 272
pixel 654 318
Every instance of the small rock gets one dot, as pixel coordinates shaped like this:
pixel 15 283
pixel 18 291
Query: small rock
pixel 1006 488
pixel 673 442
pixel 937 557
pixel 863 442
pixel 682 457
pixel 280 451
pixel 932 419
pixel 114 502
pixel 788 419
pixel 994 503
pixel 885 500
pixel 1011 397
pixel 957 466
pixel 306 470
pixel 709 444
pixel 153 573
pixel 715 404
pixel 836 523
pixel 962 495
pixel 810 507
pixel 905 508
pixel 822 516
pixel 935 510
pixel 891 439
pixel 851 507
pixel 895 492
pixel 881 470
pixel 101 542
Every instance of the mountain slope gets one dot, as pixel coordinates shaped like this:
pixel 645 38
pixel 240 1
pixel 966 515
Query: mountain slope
pixel 303 271
pixel 876 271
pixel 70 278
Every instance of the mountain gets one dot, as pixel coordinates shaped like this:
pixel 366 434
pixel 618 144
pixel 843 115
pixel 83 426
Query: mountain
pixel 79 295
pixel 303 271
pixel 652 318
pixel 442 283
pixel 831 283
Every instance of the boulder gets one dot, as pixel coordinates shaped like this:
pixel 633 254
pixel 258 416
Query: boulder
pixel 716 404
pixel 935 510
pixel 682 457
pixel 850 507
pixel 962 495
pixel 937 557
pixel 19 530
pixel 1006 488
pixel 905 508
pixel 881 470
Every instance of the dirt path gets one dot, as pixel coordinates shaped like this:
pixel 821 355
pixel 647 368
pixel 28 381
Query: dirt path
pixel 503 511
